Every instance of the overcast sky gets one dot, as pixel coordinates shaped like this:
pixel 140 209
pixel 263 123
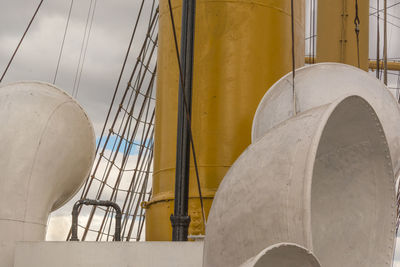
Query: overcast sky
pixel 37 57
pixel 112 26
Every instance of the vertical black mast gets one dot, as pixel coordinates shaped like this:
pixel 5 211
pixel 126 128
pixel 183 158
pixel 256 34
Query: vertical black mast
pixel 180 220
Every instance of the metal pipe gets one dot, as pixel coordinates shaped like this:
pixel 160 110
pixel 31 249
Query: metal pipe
pixel 180 220
pixel 93 202
pixel 377 39
pixel 385 42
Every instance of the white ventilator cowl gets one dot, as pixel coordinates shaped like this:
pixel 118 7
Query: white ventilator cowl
pixel 323 83
pixel 322 179
pixel 47 148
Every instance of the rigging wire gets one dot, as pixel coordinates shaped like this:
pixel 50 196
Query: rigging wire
pixel 120 75
pixel 309 37
pixel 127 116
pixel 86 46
pixel 379 10
pixel 357 30
pixel 391 23
pixel 293 59
pixel 63 41
pixel 20 41
pixel 80 61
pixel 111 162
pixel 390 15
pixel 187 113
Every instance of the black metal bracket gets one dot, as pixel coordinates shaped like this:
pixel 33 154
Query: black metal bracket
pixel 93 202
pixel 182 221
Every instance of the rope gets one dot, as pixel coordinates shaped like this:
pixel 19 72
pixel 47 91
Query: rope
pixel 357 30
pixel 123 123
pixel 22 38
pixel 120 76
pixel 293 59
pixel 63 41
pixel 187 113
pixel 140 79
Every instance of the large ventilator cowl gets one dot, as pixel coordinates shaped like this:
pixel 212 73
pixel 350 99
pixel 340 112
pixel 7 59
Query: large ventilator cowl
pixel 321 84
pixel 46 150
pixel 322 179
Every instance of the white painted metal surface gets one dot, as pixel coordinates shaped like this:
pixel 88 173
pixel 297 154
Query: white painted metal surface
pixel 47 148
pixel 324 83
pixel 283 255
pixel 109 254
pixel 322 179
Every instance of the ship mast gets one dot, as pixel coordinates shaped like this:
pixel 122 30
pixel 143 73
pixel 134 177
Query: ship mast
pixel 180 220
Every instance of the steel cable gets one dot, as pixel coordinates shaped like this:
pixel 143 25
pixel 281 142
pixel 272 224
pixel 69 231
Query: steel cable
pixel 63 41
pixel 20 41
pixel 84 41
pixel 86 46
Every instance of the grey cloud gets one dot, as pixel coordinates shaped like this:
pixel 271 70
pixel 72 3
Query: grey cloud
pixel 37 57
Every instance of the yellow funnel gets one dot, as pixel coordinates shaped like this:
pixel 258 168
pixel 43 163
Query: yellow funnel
pixel 241 49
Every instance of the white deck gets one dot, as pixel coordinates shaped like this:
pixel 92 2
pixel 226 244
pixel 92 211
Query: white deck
pixel 109 254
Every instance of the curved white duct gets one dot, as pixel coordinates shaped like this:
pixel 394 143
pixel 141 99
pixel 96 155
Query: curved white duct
pixel 47 148
pixel 321 84
pixel 322 179
pixel 283 255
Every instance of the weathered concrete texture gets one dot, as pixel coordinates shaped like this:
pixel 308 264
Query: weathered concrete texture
pixel 109 254
pixel 322 179
pixel 321 84
pixel 47 148
pixel 283 255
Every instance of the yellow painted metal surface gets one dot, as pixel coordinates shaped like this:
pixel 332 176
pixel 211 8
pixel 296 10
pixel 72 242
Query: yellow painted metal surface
pixel 391 65
pixel 241 48
pixel 336 37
